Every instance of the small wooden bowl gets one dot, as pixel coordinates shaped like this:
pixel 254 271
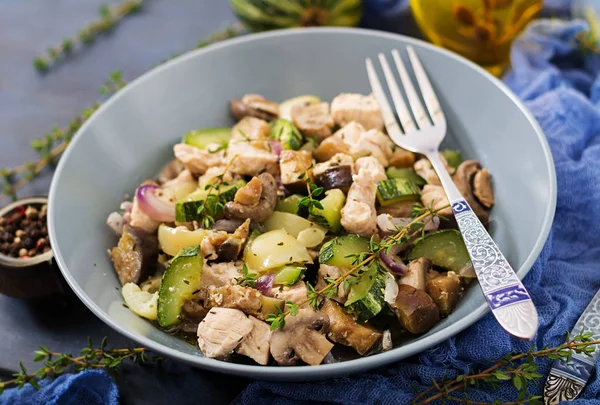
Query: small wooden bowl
pixel 33 277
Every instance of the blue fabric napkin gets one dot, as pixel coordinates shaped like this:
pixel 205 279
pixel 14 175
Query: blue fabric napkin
pixel 561 87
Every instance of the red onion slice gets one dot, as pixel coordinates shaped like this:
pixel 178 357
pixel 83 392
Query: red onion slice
pixel 393 263
pixel 276 147
pixel 264 283
pixel 153 206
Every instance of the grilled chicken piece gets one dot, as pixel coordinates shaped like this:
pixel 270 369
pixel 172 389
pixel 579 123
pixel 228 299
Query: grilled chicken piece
pixel 337 160
pixel 295 293
pixel 245 299
pixel 220 274
pixel 211 176
pixel 257 344
pixel 250 160
pixel 250 129
pixel 359 214
pixel 292 165
pixel 435 197
pixel 424 169
pixel 222 330
pixel 313 120
pixel 372 166
pixel 348 107
pixel 197 161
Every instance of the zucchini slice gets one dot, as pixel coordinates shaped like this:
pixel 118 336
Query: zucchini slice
pixel 367 298
pixel 405 173
pixel 453 157
pixel 336 251
pixel 444 248
pixel 289 275
pixel 187 211
pixel 201 138
pixel 286 133
pixel 180 281
pixel 289 204
pixel 331 214
pixel 394 191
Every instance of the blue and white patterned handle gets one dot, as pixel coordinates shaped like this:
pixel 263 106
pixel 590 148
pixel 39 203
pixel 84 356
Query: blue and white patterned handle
pixel 505 294
pixel 503 291
pixel 566 380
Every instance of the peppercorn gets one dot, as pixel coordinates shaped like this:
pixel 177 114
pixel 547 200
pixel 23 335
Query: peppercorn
pixel 28 243
pixel 24 232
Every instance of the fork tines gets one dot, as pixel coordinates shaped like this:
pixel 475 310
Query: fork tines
pixel 422 117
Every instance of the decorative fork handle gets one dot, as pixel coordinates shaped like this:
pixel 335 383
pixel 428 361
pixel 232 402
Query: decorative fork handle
pixel 505 294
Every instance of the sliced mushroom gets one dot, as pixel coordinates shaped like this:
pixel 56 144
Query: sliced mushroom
pixel 250 193
pixel 415 309
pixel 135 256
pixel 416 273
pixel 261 210
pixel 254 105
pixel 302 339
pixel 482 188
pixel 345 330
pixel 313 120
pixel 445 291
pixel 464 180
pixel 232 247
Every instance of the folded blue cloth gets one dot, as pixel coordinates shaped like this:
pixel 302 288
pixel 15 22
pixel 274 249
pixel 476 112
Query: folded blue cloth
pixel 561 87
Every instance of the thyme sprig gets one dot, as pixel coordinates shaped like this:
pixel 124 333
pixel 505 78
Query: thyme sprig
pixel 52 144
pixel 211 207
pixel 309 202
pixel 247 278
pixel 90 357
pixel 518 368
pixel 109 18
pixel 360 261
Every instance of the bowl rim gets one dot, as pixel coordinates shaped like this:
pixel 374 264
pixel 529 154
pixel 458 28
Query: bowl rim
pixel 324 370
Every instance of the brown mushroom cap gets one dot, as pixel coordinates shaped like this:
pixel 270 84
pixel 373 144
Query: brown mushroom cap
pixel 445 291
pixel 302 339
pixel 260 211
pixel 416 273
pixel 463 178
pixel 254 105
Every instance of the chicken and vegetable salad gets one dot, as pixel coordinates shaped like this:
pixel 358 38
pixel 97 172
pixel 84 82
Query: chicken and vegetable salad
pixel 300 233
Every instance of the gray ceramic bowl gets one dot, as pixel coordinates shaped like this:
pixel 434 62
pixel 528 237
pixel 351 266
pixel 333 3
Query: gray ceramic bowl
pixel 131 136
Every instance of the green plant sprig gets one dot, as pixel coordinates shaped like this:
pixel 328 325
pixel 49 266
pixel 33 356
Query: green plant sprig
pixel 90 357
pixel 309 201
pixel 518 368
pixel 211 207
pixel 52 145
pixel 424 216
pixel 109 18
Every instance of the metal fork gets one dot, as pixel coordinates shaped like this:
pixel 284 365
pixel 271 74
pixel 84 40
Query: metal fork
pixel 505 294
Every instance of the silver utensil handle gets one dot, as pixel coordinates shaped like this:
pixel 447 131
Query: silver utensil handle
pixel 505 294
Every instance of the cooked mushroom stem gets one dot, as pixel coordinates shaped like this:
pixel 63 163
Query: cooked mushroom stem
pixel 250 193
pixel 482 188
pixel 260 211
pixel 445 291
pixel 416 273
pixel 302 339
pixel 415 309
